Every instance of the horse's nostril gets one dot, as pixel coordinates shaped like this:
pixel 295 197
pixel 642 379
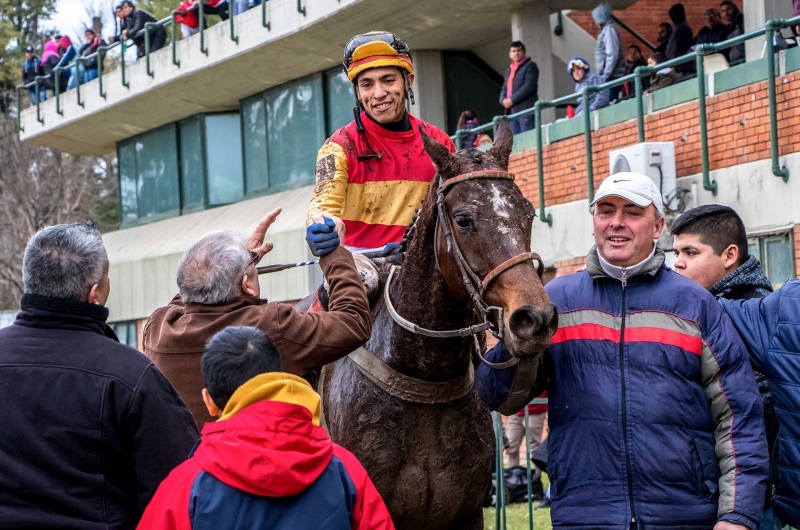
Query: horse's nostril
pixel 525 322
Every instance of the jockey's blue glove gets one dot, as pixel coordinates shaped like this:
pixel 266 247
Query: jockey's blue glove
pixel 390 249
pixel 322 239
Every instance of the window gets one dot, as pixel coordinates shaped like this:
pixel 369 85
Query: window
pixel 149 176
pixel 295 131
pixel 192 170
pixel 465 69
pixel 776 254
pixel 339 100
pixel 126 160
pixel 254 133
pixel 223 135
pixel 126 332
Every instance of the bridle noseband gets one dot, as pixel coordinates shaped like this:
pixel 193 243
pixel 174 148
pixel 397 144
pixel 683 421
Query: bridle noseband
pixel 475 286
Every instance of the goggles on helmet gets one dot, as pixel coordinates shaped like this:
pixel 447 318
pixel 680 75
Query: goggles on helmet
pixel 374 50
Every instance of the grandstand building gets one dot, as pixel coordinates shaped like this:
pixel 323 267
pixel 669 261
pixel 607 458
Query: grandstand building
pixel 216 130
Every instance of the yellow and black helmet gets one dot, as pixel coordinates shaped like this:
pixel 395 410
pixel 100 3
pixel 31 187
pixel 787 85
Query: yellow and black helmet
pixel 374 50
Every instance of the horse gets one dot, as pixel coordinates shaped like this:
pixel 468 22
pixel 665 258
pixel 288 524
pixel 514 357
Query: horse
pixel 405 404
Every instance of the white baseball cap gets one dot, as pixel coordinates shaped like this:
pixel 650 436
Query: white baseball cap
pixel 634 187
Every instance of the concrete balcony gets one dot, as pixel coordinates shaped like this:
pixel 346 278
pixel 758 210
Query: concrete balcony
pixel 296 45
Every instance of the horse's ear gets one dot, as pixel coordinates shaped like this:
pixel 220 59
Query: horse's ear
pixel 446 163
pixel 503 142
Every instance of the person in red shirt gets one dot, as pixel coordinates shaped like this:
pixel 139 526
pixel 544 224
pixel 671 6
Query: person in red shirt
pixel 374 172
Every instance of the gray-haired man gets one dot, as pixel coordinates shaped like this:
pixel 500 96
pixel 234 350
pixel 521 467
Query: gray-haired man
pixel 91 427
pixel 219 287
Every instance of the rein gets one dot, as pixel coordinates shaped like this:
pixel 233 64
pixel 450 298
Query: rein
pixel 475 286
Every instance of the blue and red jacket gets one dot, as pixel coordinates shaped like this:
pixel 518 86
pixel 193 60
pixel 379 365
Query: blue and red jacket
pixel 653 408
pixel 268 464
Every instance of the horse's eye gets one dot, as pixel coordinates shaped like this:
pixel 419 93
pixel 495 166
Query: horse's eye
pixel 463 221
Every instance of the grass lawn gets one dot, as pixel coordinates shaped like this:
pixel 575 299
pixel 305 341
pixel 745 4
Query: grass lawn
pixel 517 516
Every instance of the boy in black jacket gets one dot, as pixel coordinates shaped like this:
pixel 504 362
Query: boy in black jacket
pixel 31 68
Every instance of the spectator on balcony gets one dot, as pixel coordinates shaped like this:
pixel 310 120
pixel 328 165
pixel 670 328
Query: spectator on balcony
pixel 50 60
pixel 190 20
pixel 714 30
pixel 664 33
pixel 68 53
pixel 609 60
pixel 520 89
pixel 469 120
pixel 135 23
pixel 633 60
pixel 119 13
pixel 662 78
pixel 681 40
pixel 31 68
pixel 578 69
pixel 87 68
pixel 735 20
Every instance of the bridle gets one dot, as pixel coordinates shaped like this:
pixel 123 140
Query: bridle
pixel 474 285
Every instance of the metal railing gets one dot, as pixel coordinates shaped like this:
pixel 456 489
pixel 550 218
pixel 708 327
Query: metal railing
pixel 100 54
pixel 500 493
pixel 641 72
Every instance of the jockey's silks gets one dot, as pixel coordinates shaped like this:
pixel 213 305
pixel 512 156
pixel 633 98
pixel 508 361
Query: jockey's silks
pixel 375 198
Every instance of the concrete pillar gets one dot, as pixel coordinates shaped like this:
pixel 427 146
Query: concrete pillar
pixel 756 14
pixel 429 87
pixel 531 25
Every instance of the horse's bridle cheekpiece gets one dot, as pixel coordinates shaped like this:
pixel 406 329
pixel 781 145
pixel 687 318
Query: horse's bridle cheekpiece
pixel 475 287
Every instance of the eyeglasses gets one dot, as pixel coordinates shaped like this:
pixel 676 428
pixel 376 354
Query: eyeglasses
pixel 389 38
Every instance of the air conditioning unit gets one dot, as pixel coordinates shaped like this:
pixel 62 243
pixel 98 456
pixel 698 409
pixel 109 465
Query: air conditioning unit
pixel 654 159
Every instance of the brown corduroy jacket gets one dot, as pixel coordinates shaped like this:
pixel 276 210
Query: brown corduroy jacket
pixel 176 335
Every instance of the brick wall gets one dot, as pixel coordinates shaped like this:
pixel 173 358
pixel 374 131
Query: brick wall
pixel 569 266
pixel 738 130
pixel 797 251
pixel 645 16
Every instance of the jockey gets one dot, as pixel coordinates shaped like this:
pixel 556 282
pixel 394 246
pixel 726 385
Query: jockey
pixel 374 172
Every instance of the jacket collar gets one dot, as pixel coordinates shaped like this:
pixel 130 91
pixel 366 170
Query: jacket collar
pixel 274 386
pixel 238 302
pixel 749 275
pixel 650 267
pixel 50 312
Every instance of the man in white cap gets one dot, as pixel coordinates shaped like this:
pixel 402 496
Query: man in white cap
pixel 655 418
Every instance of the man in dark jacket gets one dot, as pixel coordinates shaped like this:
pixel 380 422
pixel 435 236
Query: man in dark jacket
pixel 681 40
pixel 609 59
pixel 520 89
pixel 219 287
pixel 710 243
pixel 769 328
pixel 714 30
pixel 31 68
pixel 655 418
pixel 135 19
pixel 91 427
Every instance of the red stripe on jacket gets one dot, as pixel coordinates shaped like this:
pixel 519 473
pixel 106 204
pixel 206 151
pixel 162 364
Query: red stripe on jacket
pixel 643 334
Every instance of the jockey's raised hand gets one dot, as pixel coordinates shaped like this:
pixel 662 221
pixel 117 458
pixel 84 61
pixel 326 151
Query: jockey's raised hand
pixel 324 234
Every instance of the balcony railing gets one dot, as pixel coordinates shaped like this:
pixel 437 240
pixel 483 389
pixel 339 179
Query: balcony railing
pixel 641 72
pixel 169 23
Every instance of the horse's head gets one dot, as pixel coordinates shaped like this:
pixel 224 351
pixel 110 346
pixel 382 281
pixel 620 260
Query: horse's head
pixel 491 223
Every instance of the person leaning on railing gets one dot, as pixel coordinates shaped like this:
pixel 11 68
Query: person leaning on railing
pixel 135 23
pixel 578 70
pixel 87 68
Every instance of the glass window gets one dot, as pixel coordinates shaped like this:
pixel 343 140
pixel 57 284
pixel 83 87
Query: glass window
pixel 126 160
pixel 254 126
pixel 126 332
pixel 157 166
pixel 296 130
pixel 224 158
pixel 192 188
pixel 339 100
pixel 776 254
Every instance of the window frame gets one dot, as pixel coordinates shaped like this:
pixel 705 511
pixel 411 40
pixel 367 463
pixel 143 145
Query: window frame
pixel 260 192
pixel 761 238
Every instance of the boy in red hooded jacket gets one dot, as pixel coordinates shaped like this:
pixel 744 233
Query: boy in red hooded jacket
pixel 266 463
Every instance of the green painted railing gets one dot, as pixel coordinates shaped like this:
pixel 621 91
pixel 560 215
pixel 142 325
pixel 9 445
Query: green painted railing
pixel 500 490
pixel 641 72
pixel 102 51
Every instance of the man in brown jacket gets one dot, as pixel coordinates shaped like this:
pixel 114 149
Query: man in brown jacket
pixel 219 287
